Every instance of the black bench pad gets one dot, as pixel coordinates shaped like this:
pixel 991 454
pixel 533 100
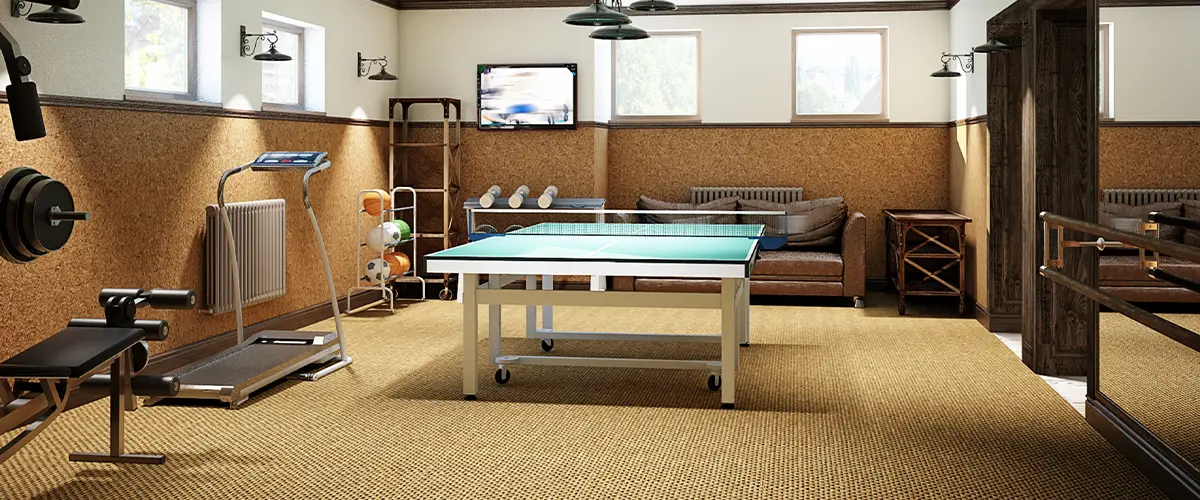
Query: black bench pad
pixel 72 352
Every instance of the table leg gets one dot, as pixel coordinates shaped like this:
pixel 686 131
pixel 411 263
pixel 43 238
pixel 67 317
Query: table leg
pixel 729 341
pixel 494 321
pixel 531 311
pixel 745 308
pixel 470 285
pixel 548 311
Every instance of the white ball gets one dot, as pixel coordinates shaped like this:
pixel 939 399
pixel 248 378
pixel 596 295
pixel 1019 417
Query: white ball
pixel 382 236
pixel 378 271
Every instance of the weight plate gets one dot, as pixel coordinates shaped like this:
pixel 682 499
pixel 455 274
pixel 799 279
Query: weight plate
pixel 14 223
pixel 40 233
pixel 9 239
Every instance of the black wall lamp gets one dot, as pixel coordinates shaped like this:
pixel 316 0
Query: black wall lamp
pixel 270 55
pixel 615 25
pixel 994 44
pixel 965 61
pixel 364 68
pixel 56 14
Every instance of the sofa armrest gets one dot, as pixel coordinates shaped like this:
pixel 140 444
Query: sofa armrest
pixel 854 255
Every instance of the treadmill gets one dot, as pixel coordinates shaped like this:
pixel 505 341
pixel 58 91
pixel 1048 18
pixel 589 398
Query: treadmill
pixel 232 375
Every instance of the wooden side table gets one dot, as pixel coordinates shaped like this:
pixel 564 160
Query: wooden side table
pixel 925 254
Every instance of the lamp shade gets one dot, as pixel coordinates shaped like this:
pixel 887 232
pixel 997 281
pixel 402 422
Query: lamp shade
pixel 272 55
pixel 56 15
pixel 382 76
pixel 945 72
pixel 652 6
pixel 627 32
pixel 993 45
pixel 597 14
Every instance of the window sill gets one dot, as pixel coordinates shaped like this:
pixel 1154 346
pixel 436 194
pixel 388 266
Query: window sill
pixel 654 119
pixel 288 108
pixel 840 118
pixel 170 99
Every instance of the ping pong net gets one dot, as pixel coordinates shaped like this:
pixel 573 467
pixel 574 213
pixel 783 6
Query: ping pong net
pixel 770 227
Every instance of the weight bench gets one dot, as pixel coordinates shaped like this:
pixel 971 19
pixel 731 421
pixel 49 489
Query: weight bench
pixel 35 384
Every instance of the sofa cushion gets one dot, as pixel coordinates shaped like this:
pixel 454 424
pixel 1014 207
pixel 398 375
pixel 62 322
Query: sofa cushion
pixel 1127 217
pixel 1126 269
pixel 1191 210
pixel 724 205
pixel 812 223
pixel 799 263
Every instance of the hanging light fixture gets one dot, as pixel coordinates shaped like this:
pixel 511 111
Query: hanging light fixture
pixel 965 61
pixel 364 69
pixel 56 14
pixel 599 14
pixel 271 55
pixel 652 6
pixel 993 45
pixel 627 32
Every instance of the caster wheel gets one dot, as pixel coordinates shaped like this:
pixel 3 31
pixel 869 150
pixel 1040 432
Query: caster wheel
pixel 547 344
pixel 469 397
pixel 726 406
pixel 714 382
pixel 445 294
pixel 503 376
pixel 747 344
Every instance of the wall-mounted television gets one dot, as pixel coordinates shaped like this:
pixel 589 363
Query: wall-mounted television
pixel 527 96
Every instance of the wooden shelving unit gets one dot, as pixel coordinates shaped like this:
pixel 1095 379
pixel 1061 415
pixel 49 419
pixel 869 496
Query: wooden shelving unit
pixel 402 144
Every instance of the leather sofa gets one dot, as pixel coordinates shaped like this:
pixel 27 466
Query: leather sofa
pixel 837 271
pixel 1120 272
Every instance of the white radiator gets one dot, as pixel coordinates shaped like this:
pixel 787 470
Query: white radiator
pixel 1147 196
pixel 259 230
pixel 773 194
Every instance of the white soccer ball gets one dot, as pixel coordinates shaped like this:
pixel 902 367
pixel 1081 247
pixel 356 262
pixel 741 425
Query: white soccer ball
pixel 378 271
pixel 384 235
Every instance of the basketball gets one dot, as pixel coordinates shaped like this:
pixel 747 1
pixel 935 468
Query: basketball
pixel 374 204
pixel 398 263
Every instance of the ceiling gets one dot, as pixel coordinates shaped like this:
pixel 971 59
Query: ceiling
pixel 694 6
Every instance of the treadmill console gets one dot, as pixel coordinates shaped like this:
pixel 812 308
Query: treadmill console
pixel 287 160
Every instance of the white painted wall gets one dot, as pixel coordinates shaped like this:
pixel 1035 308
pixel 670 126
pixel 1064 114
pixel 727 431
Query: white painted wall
pixel 745 59
pixel 87 60
pixel 1154 73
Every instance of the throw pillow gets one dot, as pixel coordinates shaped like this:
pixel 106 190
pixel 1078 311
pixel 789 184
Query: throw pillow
pixel 721 205
pixel 812 223
pixel 1127 217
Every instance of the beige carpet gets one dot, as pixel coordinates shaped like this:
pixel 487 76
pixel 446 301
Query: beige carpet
pixel 1154 378
pixel 833 403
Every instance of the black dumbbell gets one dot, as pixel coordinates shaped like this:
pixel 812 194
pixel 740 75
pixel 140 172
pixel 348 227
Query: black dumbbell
pixel 37 215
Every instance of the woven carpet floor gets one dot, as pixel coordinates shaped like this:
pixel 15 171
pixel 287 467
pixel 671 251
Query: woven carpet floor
pixel 833 403
pixel 1154 378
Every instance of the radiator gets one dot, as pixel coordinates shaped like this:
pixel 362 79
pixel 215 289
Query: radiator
pixel 259 229
pixel 1148 196
pixel 773 194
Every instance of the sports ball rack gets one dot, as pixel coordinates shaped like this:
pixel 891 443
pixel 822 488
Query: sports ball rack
pixel 396 212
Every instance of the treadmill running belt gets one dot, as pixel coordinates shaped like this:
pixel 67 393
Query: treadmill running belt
pixel 245 364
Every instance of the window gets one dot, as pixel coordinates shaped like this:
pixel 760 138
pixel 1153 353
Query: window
pixel 160 43
pixel 1106 71
pixel 657 78
pixel 840 73
pixel 283 82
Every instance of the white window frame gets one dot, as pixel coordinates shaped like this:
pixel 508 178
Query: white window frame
pixel 882 116
pixel 1106 71
pixel 696 118
pixel 193 74
pixel 297 58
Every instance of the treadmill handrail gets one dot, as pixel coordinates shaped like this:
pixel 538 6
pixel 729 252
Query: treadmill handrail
pixel 231 247
pixel 309 173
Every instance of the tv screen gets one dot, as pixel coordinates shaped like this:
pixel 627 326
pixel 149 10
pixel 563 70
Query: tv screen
pixel 527 96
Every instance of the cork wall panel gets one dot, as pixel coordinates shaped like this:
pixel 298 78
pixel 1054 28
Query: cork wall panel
pixel 969 191
pixel 1149 157
pixel 146 178
pixel 873 168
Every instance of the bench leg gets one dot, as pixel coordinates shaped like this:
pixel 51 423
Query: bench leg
pixel 120 393
pixel 51 403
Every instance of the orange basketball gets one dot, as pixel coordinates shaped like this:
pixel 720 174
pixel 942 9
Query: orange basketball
pixel 374 205
pixel 398 263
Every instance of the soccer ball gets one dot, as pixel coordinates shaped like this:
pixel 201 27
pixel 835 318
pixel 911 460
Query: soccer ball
pixel 378 271
pixel 384 235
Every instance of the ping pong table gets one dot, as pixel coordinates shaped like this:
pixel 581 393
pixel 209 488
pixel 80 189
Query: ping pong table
pixel 714 251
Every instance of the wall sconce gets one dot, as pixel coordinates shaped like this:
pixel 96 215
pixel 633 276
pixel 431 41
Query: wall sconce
pixel 270 55
pixel 994 45
pixel 56 14
pixel 364 68
pixel 965 61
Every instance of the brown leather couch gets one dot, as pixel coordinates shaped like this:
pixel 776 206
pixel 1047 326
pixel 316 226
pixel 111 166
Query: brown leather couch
pixel 1123 276
pixel 840 271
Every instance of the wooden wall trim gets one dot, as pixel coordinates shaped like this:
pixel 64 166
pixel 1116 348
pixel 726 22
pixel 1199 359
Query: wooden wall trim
pixel 1181 124
pixel 683 10
pixel 1171 474
pixel 1148 3
pixel 838 124
pixel 969 121
pixel 194 109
